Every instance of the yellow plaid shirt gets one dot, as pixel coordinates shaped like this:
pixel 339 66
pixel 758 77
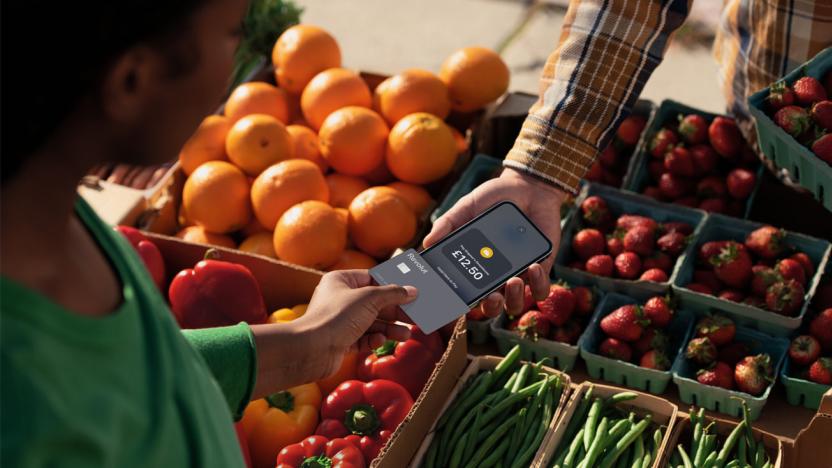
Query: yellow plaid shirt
pixel 608 49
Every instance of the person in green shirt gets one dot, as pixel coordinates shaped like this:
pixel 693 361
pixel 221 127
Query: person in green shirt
pixel 95 371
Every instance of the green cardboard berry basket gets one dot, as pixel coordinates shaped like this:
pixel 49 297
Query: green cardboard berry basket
pixel 621 202
pixel 479 331
pixel 668 111
pixel 801 392
pixel 626 373
pixel 481 169
pixel 811 172
pixel 718 227
pixel 720 399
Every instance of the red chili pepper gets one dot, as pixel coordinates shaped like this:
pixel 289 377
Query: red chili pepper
pixel 365 414
pixel 409 363
pixel 241 438
pixel 318 451
pixel 149 253
pixel 215 293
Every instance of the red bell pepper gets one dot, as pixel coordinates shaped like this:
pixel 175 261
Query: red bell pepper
pixel 148 252
pixel 409 363
pixel 241 438
pixel 318 451
pixel 215 293
pixel 365 414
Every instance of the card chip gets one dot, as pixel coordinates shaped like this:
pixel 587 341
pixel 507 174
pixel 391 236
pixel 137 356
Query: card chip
pixel 403 268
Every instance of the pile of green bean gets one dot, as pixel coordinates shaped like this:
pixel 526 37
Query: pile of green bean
pixel 739 449
pixel 599 434
pixel 498 419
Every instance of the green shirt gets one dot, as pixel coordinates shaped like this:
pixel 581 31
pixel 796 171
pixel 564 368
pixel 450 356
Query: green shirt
pixel 128 389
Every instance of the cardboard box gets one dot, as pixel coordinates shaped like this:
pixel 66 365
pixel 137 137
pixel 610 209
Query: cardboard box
pixel 478 363
pixel 663 411
pixel 723 427
pixel 812 445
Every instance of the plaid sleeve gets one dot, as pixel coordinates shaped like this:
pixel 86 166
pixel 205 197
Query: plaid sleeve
pixel 606 53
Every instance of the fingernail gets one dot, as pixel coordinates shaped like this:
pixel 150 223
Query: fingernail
pixel 411 291
pixel 517 289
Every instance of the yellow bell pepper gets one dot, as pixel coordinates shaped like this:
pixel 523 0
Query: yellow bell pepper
pixel 280 419
pixel 286 314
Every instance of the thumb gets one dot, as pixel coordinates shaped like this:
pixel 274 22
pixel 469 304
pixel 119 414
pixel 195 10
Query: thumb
pixel 379 298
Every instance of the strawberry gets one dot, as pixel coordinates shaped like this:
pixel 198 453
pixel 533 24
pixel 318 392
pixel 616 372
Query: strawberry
pixel 558 305
pixel 625 323
pixel 701 351
pixel 662 141
pixel 731 295
pixel 584 300
pixel 733 265
pixel 714 205
pixel 627 265
pixel 615 243
pixel 753 374
pixel 733 353
pixel 594 173
pixel 609 157
pixel 615 349
pixel 655 359
pixel 630 129
pixel 821 328
pixel 704 158
pixel 793 120
pixel 680 162
pixel 672 243
pixel 804 350
pixel 780 95
pixel 711 187
pixel 528 299
pixel 708 278
pixel 719 374
pixel 652 192
pixel 808 90
pixel 651 338
pixel 690 202
pixel 673 186
pixel 766 242
pixel 660 261
pixel 725 137
pixel 821 371
pixel 639 239
pixel 748 157
pixel 693 128
pixel 533 325
pixel 588 242
pixel 677 226
pixel 709 250
pixel 654 274
pixel 789 268
pixel 805 262
pixel 569 332
pixel 601 265
pixel 762 277
pixel 627 222
pixel 785 297
pixel 595 212
pixel 655 168
pixel 740 183
pixel 659 311
pixel 822 114
pixel 822 147
pixel 719 329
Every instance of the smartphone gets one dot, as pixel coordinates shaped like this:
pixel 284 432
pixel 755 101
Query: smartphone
pixel 468 264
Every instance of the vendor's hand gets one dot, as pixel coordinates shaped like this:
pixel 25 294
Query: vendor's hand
pixel 345 310
pixel 539 201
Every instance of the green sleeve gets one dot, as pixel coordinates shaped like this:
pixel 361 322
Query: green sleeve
pixel 231 355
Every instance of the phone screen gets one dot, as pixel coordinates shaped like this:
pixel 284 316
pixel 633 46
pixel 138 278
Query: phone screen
pixel 480 256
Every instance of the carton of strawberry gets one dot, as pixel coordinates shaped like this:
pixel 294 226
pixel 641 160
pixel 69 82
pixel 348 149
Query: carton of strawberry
pixel 808 370
pixel 804 111
pixel 633 343
pixel 611 166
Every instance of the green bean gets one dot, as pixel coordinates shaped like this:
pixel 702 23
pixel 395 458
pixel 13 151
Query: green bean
pixel 591 422
pixel 710 460
pixel 697 433
pixel 529 449
pixel 452 434
pixel 478 387
pixel 767 464
pixel 522 376
pixel 599 443
pixel 559 460
pixel 638 450
pixel 699 458
pixel 624 460
pixel 430 458
pixel 647 460
pixel 620 397
pixel 574 448
pixel 761 454
pixel 456 455
pixel 675 458
pixel 733 464
pixel 684 456
pixel 491 440
pixel 625 440
pixel 507 363
pixel 494 457
pixel 475 427
pixel 729 444
pixel 525 433
pixel 578 416
pixel 510 401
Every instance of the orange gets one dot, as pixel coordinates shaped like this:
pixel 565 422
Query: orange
pixel 352 140
pixel 331 90
pixel 206 144
pixel 283 185
pixel 415 195
pixel 216 197
pixel 198 235
pixel 353 260
pixel 410 91
pixel 260 244
pixel 257 97
pixel 302 52
pixel 256 142
pixel 475 76
pixel 304 143
pixel 344 214
pixel 461 141
pixel 343 188
pixel 380 221
pixel 421 149
pixel 310 234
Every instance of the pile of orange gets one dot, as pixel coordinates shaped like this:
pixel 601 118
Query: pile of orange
pixel 321 170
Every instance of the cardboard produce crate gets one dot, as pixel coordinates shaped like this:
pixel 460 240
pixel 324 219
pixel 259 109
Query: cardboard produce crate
pixel 811 447
pixel 476 364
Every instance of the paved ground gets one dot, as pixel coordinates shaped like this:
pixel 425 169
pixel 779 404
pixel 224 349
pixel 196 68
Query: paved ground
pixel 388 36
